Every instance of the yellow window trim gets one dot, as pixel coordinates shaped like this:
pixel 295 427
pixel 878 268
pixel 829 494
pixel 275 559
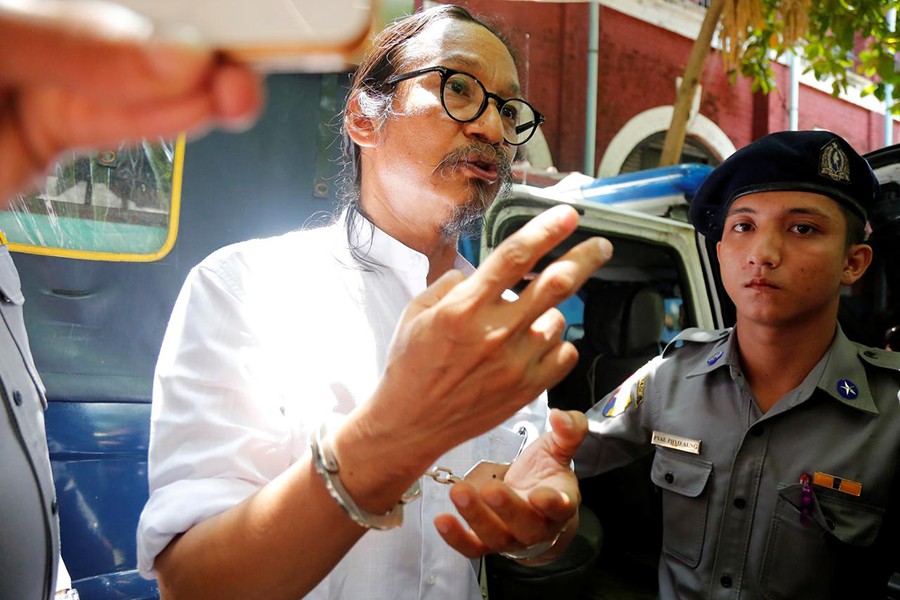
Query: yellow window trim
pixel 177 174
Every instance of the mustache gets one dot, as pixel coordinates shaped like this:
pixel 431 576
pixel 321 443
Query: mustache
pixel 485 152
pixel 465 220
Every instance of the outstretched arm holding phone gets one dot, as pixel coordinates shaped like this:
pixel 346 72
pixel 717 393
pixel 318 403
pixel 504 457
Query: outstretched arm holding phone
pixel 64 89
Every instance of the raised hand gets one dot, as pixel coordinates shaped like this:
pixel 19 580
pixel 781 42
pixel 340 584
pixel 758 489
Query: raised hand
pixel 464 359
pixel 535 505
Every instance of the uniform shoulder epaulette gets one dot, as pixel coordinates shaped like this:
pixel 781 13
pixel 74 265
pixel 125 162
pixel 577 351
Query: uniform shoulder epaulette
pixel 880 358
pixel 697 336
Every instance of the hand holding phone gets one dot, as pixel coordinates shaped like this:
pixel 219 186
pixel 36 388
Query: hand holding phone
pixel 271 34
pixel 72 86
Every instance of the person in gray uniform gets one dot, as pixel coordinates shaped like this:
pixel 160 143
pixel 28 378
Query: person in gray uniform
pixel 776 441
pixel 29 535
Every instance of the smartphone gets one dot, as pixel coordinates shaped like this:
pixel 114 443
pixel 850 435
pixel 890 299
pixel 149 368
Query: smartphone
pixel 272 34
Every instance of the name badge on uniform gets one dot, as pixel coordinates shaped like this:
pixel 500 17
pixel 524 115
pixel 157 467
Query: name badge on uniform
pixel 667 440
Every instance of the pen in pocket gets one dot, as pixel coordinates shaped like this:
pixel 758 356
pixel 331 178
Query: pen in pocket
pixel 805 498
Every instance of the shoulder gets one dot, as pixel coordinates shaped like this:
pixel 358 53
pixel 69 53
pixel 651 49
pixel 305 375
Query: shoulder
pixel 10 285
pixel 878 358
pixel 267 265
pixel 299 249
pixel 694 340
pixel 310 241
pixel 881 371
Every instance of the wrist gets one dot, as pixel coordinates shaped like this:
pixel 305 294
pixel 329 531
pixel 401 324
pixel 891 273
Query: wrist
pixel 380 456
pixel 327 466
pixel 545 552
pixel 532 555
pixel 374 469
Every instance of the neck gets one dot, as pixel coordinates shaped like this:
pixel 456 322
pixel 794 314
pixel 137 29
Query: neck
pixel 776 359
pixel 425 238
pixel 440 262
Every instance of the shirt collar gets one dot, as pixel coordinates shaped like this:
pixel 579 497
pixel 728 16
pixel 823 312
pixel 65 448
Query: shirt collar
pixel 840 373
pixel 722 354
pixel 844 376
pixel 393 254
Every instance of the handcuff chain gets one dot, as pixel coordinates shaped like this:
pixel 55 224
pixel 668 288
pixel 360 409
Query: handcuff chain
pixel 446 476
pixel 443 475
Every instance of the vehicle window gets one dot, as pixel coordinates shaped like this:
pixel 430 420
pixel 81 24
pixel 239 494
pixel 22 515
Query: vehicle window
pixel 673 320
pixel 651 269
pixel 119 204
pixel 636 266
pixel 630 309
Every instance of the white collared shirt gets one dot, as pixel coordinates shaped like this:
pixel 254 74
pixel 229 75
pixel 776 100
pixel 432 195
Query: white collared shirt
pixel 267 339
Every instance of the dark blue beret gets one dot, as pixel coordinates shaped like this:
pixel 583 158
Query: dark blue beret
pixel 808 161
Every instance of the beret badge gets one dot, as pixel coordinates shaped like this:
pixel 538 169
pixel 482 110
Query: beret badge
pixel 833 162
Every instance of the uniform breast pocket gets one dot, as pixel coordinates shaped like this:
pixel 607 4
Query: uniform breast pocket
pixel 683 479
pixel 801 554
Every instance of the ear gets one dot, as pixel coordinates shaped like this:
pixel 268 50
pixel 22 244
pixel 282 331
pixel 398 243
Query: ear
pixel 859 257
pixel 361 129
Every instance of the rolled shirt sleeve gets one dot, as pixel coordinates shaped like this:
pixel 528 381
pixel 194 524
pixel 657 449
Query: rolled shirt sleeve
pixel 217 430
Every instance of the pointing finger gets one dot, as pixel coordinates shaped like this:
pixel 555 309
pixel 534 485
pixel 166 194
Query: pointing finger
pixel 562 278
pixel 435 292
pixel 518 254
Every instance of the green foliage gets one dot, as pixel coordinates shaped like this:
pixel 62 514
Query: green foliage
pixel 843 37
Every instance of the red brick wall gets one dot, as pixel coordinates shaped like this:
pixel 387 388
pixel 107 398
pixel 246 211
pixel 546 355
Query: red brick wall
pixel 552 66
pixel 639 65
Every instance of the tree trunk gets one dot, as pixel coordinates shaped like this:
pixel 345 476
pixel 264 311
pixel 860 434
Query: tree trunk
pixel 672 147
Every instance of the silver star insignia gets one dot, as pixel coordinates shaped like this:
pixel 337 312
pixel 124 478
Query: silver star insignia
pixel 848 389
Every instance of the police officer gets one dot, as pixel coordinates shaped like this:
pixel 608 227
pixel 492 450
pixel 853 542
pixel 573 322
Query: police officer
pixel 776 442
pixel 29 529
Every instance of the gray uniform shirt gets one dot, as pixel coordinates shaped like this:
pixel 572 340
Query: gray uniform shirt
pixel 29 536
pixel 734 520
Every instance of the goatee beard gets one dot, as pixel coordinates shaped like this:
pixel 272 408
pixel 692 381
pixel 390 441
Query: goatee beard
pixel 465 220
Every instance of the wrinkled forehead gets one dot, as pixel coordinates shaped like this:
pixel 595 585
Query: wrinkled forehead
pixel 467 47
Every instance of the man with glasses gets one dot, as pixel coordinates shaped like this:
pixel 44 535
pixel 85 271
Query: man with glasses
pixel 465 99
pixel 326 382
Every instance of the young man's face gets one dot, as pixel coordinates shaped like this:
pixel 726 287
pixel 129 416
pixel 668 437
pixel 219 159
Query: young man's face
pixel 409 172
pixel 784 257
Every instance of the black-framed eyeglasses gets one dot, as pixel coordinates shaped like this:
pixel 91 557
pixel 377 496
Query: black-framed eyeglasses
pixel 465 98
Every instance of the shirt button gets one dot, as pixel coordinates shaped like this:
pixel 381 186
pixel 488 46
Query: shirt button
pixel 726 581
pixel 669 477
pixel 431 579
pixel 54 506
pixel 740 503
pixel 17 397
